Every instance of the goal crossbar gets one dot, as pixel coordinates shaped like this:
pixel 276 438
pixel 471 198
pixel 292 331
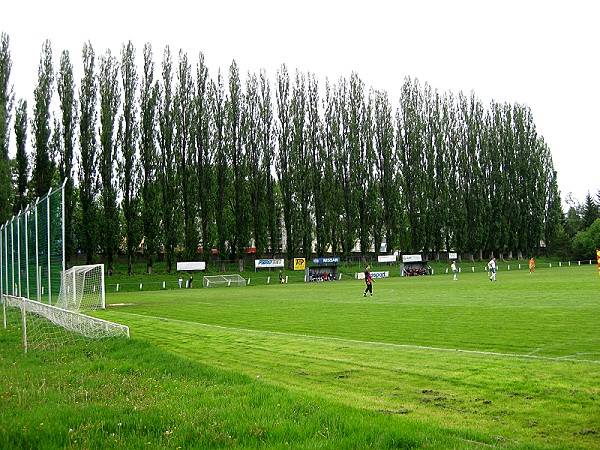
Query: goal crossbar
pixel 223 280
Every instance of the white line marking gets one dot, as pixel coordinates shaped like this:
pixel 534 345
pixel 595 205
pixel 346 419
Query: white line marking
pixel 382 344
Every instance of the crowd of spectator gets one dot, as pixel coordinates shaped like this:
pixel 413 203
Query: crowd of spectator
pixel 417 271
pixel 321 276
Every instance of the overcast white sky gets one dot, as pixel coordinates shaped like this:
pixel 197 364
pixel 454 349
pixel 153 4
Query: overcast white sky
pixel 543 54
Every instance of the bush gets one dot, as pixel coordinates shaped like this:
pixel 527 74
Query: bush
pixel 586 242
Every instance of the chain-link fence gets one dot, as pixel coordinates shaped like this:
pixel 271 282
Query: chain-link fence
pixel 32 249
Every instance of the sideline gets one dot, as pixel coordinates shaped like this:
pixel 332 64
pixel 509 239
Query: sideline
pixel 570 358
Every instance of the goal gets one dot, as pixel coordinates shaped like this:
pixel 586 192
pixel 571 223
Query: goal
pixel 82 288
pixel 223 280
pixel 47 327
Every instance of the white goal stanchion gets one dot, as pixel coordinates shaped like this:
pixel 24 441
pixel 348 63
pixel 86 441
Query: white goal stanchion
pixel 223 280
pixel 82 288
pixel 49 327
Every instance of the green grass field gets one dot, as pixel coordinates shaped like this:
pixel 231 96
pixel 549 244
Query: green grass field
pixel 426 363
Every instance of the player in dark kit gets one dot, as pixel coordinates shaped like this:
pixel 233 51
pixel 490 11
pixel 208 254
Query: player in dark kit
pixel 369 281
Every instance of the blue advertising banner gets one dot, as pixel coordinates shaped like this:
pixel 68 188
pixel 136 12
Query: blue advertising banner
pixel 332 260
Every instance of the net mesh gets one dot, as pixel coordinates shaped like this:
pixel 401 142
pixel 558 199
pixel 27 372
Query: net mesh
pixel 82 288
pixel 32 261
pixel 223 280
pixel 47 327
pixel 32 250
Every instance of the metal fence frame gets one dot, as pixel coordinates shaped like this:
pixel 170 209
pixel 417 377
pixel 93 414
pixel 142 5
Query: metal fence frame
pixel 32 249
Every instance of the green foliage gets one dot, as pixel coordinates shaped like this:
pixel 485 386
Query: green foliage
pixel 204 158
pixel 166 130
pixel 43 164
pixel 229 168
pixel 183 111
pixel 68 106
pixel 6 105
pixel 110 102
pixel 236 154
pixel 21 160
pixel 588 241
pixel 87 225
pixel 590 211
pixel 128 166
pixel 561 244
pixel 149 161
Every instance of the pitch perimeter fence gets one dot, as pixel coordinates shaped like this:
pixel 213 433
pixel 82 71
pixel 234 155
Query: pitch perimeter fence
pixel 32 249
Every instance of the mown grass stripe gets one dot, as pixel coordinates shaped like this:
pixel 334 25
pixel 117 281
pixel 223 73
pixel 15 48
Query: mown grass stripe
pixel 569 358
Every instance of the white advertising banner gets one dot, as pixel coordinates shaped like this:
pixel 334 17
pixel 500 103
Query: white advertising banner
pixel 386 258
pixel 265 263
pixel 191 265
pixel 412 258
pixel 361 275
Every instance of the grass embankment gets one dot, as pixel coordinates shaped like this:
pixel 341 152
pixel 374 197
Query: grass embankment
pixel 134 395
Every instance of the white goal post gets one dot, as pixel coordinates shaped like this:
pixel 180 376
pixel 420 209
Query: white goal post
pixel 82 288
pixel 223 280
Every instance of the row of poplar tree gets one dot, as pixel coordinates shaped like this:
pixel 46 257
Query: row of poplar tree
pixel 175 160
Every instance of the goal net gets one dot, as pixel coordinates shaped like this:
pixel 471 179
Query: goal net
pixel 82 288
pixel 47 327
pixel 223 280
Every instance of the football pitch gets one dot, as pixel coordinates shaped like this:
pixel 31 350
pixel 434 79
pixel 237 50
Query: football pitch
pixel 516 361
pixel 427 362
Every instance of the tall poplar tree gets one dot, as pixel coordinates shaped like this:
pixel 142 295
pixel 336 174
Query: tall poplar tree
pixel 237 157
pixel 185 154
pixel 411 146
pixel 128 164
pixel 223 210
pixel 333 141
pixel 6 105
pixel 167 160
pixel 65 84
pixel 149 161
pixel 89 155
pixel 478 186
pixel 43 165
pixel 386 171
pixel 553 207
pixel 363 170
pixel 266 136
pixel 110 99
pixel 204 158
pixel 347 160
pixel 284 160
pixel 438 176
pixel 455 221
pixel 21 160
pixel 316 158
pixel 257 173
pixel 301 175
